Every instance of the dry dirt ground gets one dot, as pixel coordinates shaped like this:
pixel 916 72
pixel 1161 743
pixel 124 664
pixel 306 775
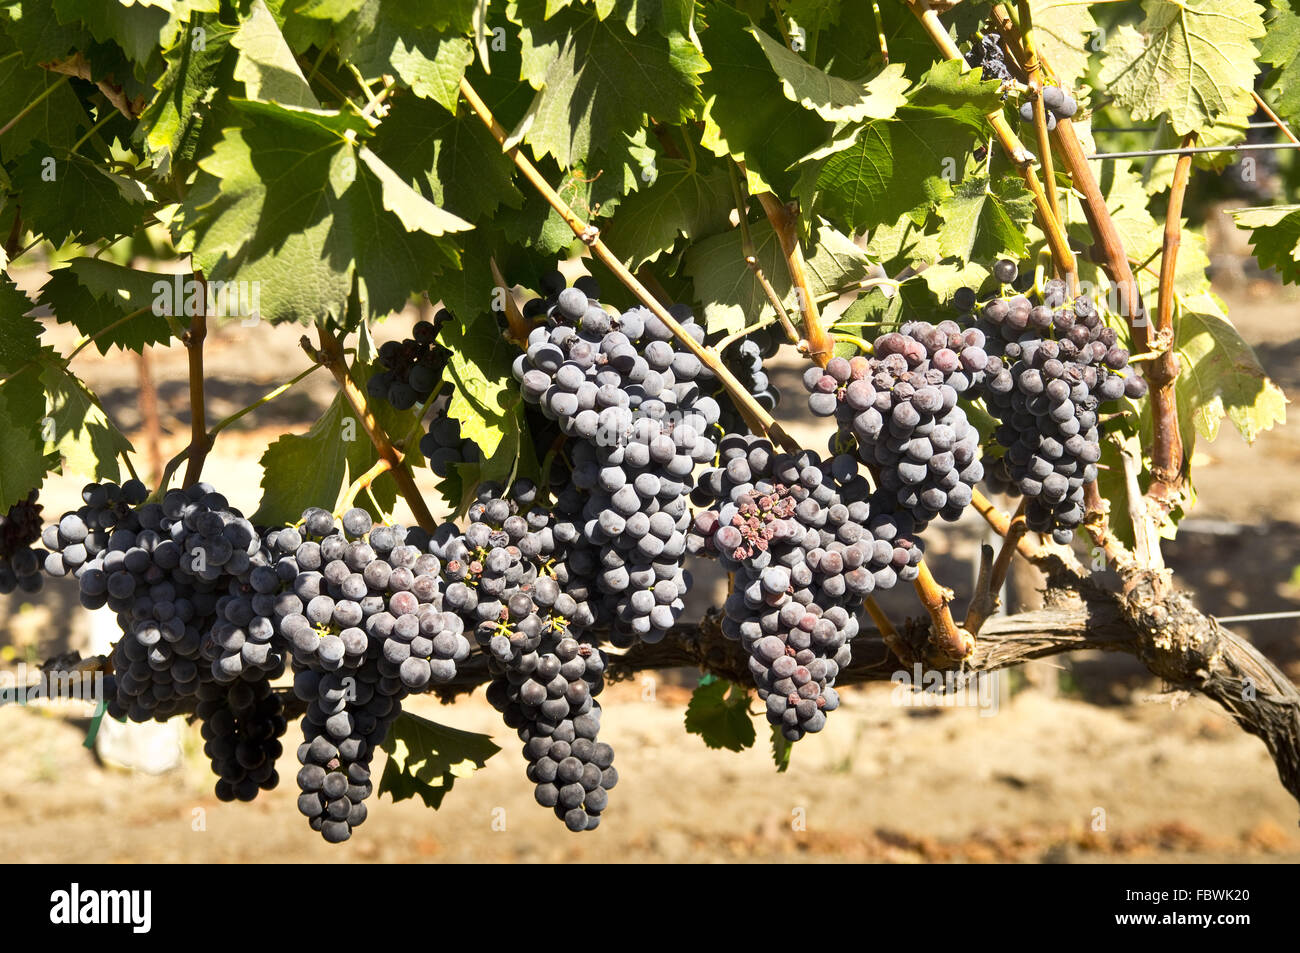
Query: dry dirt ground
pixel 1082 762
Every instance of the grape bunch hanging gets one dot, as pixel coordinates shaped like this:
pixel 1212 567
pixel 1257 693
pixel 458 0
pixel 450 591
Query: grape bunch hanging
pixel 655 465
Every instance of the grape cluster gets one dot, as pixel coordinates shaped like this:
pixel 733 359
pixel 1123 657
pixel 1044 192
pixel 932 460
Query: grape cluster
pixel 513 572
pixel 547 693
pixel 346 721
pixel 242 727
pixel 899 408
pixel 360 609
pixel 133 559
pixel 634 403
pixel 1052 365
pixel 442 444
pixel 1057 104
pixel 412 367
pixel 20 563
pixel 551 285
pixel 988 55
pixel 744 357
pixel 806 550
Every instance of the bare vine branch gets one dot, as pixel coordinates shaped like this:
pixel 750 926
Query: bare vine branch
pixel 332 357
pixel 199 442
pixel 1167 443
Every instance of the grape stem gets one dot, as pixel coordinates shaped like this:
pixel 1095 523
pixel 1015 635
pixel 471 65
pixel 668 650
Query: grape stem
pixel 331 355
pixel 1162 375
pixel 1097 523
pixel 1286 130
pixel 1163 411
pixel 758 419
pixel 199 441
pixel 221 425
pixel 985 601
pixel 889 634
pixel 382 466
pixel 78 67
pixel 419 417
pixel 751 259
pixel 148 403
pixel 519 325
pixel 862 344
pixel 1033 70
pixel 733 337
pixel 786 225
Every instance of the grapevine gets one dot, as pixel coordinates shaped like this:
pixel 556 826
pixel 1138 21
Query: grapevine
pixel 623 287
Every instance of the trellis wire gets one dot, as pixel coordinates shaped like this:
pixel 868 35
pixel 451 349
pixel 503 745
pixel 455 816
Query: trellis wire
pixel 1260 616
pixel 1194 150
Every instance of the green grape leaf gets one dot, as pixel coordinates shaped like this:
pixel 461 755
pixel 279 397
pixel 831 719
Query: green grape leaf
pixel 508 462
pixel 140 29
pixel 833 261
pixel 24 462
pixel 267 66
pixel 945 275
pixel 1281 48
pixel 1274 237
pixel 19 334
pixel 469 292
pixel 684 199
pixel 411 208
pixel 732 296
pixel 666 16
pixel 812 16
pixel 587 191
pixel 57 116
pixel 78 429
pixel 1158 171
pixel 401 42
pixel 1186 60
pixel 486 390
pixel 425 759
pixel 747 115
pixel 719 713
pixel 36 30
pixel 452 160
pixel 93 294
pixel 874 312
pixel 985 220
pixel 833 98
pixel 579 112
pixel 1067 37
pixel 302 470
pixel 906 164
pixel 172 123
pixel 781 750
pixel 288 203
pixel 1221 375
pixel 871 314
pixel 75 197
